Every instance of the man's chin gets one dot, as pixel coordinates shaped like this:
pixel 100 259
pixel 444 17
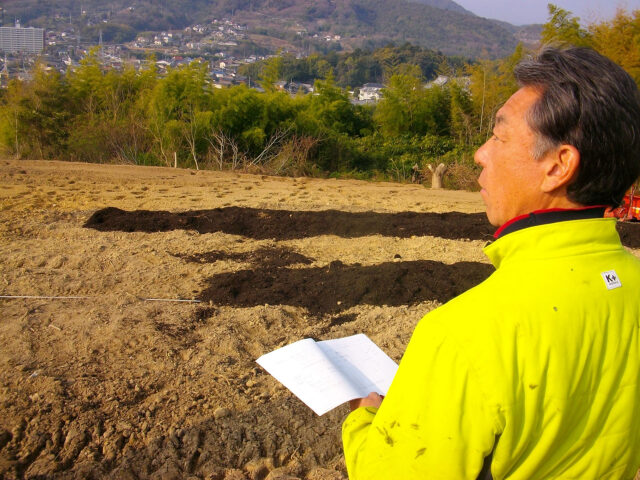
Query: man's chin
pixel 496 222
pixel 492 220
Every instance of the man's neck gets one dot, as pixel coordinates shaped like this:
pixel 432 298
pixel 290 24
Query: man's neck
pixel 550 215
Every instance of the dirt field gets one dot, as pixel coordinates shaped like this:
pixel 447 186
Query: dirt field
pixel 118 384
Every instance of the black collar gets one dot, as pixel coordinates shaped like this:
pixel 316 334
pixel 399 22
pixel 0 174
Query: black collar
pixel 542 217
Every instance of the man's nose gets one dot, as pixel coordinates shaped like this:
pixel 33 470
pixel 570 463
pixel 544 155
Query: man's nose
pixel 479 156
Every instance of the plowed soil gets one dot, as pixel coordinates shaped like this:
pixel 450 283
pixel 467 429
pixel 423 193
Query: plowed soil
pixel 146 294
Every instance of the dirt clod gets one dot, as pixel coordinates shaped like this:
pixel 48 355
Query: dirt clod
pixel 221 413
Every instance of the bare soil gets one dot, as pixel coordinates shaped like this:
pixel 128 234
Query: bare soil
pixel 182 279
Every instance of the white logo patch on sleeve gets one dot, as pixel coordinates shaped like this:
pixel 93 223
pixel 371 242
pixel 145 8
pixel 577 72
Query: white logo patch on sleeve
pixel 611 279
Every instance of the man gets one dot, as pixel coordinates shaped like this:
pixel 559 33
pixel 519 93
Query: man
pixel 535 373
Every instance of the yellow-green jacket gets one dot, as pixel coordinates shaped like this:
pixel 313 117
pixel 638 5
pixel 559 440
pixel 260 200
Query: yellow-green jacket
pixel 539 366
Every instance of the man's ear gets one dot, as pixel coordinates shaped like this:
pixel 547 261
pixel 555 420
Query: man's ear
pixel 561 166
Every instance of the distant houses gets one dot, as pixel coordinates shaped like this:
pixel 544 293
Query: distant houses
pixel 294 88
pixel 442 80
pixel 201 43
pixel 371 92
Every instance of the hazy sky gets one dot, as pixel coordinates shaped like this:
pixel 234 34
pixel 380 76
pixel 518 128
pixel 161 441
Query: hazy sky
pixel 520 12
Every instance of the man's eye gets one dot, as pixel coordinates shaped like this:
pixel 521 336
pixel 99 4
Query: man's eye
pixel 495 138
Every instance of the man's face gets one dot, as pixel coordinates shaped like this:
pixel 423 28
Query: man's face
pixel 511 177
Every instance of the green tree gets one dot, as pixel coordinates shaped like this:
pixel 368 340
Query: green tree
pixel 407 108
pixel 12 119
pixel 85 85
pixel 395 113
pixel 173 110
pixel 271 73
pixel 492 83
pixel 34 115
pixel 109 121
pixel 563 28
pixel 237 109
pixel 619 39
pixel 461 115
pixel 331 107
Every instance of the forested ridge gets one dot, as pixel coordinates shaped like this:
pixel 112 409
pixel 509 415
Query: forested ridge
pixel 359 22
pixel 97 115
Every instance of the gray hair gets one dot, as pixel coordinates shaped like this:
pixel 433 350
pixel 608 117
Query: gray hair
pixel 590 102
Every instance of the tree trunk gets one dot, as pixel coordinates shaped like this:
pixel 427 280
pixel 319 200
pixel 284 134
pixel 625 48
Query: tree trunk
pixel 437 174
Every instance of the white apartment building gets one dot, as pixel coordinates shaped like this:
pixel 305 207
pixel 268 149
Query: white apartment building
pixel 24 40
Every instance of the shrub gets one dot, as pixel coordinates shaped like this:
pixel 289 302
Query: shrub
pixel 462 176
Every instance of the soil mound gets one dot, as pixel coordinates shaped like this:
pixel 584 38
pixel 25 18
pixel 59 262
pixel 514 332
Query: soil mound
pixel 338 287
pixel 286 225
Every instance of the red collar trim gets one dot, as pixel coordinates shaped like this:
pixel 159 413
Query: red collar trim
pixel 501 229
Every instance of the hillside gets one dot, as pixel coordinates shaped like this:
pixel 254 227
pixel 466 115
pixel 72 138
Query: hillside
pixel 438 24
pixel 444 5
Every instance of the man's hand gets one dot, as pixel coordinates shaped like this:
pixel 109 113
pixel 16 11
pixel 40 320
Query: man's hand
pixel 371 400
